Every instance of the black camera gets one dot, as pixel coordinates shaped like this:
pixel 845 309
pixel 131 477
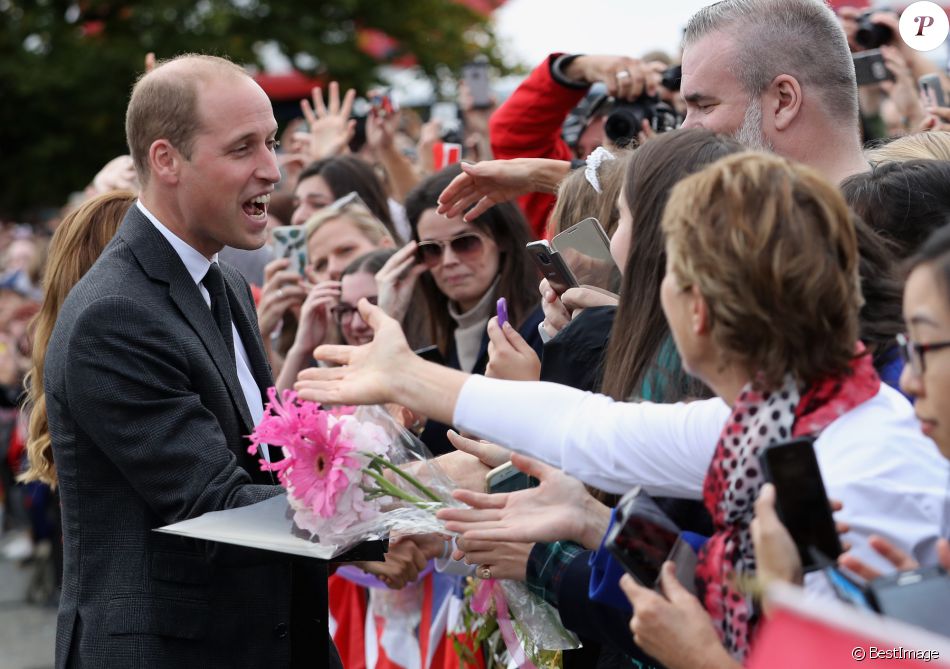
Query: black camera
pixel 872 35
pixel 625 119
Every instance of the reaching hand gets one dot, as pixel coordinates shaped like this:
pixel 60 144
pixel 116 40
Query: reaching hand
pixel 366 373
pixel 504 560
pixel 396 280
pixel 282 290
pixel 672 625
pixel 903 90
pixel 401 566
pixel 381 130
pixel 468 466
pixel 331 127
pixel 560 508
pixel 117 174
pixel 509 355
pixel 490 182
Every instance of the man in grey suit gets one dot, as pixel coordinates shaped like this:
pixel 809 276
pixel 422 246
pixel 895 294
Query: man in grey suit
pixel 154 375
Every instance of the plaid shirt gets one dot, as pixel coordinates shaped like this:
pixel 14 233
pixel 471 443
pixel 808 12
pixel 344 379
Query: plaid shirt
pixel 546 566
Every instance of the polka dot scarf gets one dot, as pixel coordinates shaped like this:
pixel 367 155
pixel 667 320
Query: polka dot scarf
pixel 732 484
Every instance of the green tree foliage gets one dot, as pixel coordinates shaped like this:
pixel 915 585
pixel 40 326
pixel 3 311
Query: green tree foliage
pixel 66 67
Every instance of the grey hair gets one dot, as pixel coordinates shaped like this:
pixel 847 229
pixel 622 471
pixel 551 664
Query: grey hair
pixel 801 38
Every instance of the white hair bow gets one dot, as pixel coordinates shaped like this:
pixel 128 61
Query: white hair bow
pixel 597 157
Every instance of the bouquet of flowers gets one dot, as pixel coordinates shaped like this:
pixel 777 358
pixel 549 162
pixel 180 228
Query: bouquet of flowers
pixel 342 472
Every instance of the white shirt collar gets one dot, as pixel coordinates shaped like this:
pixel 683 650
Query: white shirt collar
pixel 196 264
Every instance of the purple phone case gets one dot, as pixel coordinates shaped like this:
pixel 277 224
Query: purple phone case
pixel 502 311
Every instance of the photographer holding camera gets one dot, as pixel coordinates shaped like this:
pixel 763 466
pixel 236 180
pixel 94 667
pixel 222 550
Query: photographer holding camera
pixel 528 124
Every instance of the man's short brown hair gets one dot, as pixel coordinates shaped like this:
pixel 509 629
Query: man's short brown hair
pixel 164 105
pixel 771 247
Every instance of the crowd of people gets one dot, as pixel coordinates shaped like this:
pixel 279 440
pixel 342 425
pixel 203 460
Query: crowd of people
pixel 784 267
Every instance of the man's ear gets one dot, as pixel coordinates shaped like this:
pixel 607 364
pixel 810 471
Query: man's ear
pixel 785 101
pixel 164 161
pixel 701 318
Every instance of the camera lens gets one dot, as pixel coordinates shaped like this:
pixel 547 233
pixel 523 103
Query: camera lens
pixel 872 35
pixel 624 122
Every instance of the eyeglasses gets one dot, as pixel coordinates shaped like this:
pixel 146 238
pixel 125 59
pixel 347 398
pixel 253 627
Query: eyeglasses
pixel 466 246
pixel 913 353
pixel 343 312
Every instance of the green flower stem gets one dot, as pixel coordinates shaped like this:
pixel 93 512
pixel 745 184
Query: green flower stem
pixel 391 489
pixel 376 460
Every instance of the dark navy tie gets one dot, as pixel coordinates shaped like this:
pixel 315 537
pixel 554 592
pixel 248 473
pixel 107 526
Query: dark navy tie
pixel 214 282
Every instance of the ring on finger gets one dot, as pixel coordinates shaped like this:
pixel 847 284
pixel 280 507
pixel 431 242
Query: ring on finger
pixel 484 572
pixel 280 293
pixel 623 74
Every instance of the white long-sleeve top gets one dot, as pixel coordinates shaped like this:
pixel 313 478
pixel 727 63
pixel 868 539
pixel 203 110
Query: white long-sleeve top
pixel 874 459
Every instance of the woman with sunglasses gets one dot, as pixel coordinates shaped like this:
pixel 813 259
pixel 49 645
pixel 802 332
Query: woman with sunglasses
pixel 470 265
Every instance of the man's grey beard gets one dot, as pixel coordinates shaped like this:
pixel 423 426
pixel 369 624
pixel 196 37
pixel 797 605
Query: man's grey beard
pixel 750 132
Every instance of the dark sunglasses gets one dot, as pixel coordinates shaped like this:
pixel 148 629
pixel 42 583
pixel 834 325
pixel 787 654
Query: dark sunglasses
pixel 466 246
pixel 343 313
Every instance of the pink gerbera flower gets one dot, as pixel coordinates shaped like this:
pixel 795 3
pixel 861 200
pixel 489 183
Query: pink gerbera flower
pixel 319 461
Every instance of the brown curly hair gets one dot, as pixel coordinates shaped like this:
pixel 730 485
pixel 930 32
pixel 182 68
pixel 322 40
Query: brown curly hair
pixel 771 247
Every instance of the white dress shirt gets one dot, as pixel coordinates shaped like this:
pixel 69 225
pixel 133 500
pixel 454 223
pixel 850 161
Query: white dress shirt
pixel 874 458
pixel 197 266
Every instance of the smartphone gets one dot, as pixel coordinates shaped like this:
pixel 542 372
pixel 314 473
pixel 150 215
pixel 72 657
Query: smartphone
pixel 552 266
pixel 290 241
pixel 931 89
pixel 431 354
pixel 508 478
pixel 869 68
pixel 643 537
pixel 382 103
pixel 918 597
pixel 585 248
pixel 475 76
pixel 800 499
pixel 502 309
pixel 847 589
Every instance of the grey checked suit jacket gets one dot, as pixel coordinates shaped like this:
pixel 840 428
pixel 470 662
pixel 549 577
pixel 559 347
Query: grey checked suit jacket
pixel 147 420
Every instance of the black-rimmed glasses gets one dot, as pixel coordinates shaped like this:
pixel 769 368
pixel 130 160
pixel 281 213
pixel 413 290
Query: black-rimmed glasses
pixel 913 352
pixel 343 312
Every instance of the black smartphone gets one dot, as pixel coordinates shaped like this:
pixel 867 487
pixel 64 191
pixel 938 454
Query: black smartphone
pixel 432 354
pixel 552 266
pixel 931 89
pixel 475 76
pixel 642 537
pixel 801 500
pixel 869 68
pixel 918 597
pixel 508 478
pixel 848 589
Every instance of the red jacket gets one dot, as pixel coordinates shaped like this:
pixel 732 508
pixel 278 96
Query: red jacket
pixel 528 125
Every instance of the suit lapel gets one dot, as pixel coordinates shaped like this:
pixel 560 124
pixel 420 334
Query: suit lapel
pixel 159 261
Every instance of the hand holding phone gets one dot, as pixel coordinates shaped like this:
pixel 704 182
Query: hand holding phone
pixel 552 266
pixel 800 499
pixel 508 478
pixel 290 241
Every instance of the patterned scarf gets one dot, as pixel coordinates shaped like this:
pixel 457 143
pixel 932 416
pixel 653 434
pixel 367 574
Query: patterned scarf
pixel 732 484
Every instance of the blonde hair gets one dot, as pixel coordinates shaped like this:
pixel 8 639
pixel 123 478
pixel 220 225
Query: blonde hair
pixel 577 199
pixel 771 247
pixel 164 105
pixel 921 146
pixel 356 214
pixel 76 244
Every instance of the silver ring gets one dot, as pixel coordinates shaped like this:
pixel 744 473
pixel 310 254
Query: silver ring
pixel 623 74
pixel 280 293
pixel 484 572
